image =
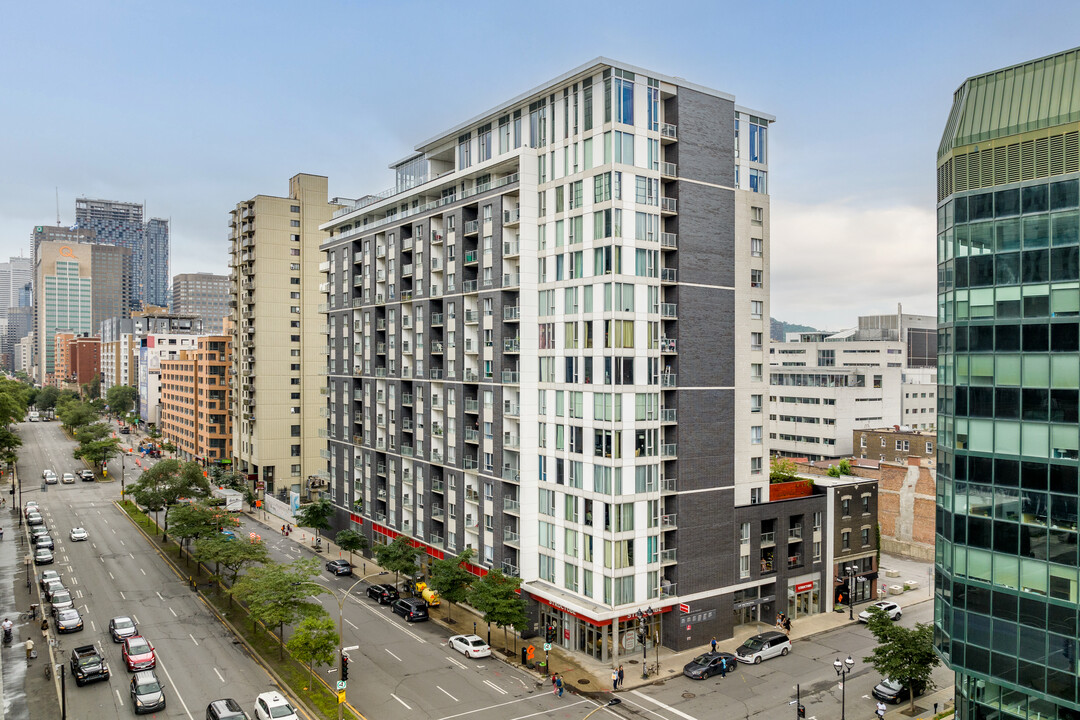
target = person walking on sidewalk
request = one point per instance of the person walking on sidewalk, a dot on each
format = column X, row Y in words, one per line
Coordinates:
column 29, row 649
column 620, row 676
column 714, row 644
column 880, row 712
column 614, row 679
column 282, row 529
column 787, row 625
column 554, row 683
column 723, row 667
column 558, row 684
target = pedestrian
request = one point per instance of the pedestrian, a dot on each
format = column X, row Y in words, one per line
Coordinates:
column 779, row 621
column 29, row 648
column 614, row 679
column 282, row 529
column 554, row 683
column 880, row 712
column 1, row 533
column 714, row 644
column 723, row 667
column 620, row 676
column 558, row 684
column 787, row 625
column 45, row 628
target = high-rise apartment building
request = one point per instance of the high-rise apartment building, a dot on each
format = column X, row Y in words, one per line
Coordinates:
column 202, row 294
column 154, row 349
column 195, row 400
column 112, row 286
column 824, row 385
column 279, row 338
column 1008, row 222
column 85, row 359
column 62, row 358
column 63, row 284
column 119, row 349
column 155, row 270
column 63, row 236
column 120, row 224
column 15, row 275
column 546, row 344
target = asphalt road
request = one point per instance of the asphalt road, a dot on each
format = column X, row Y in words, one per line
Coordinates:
column 117, row 572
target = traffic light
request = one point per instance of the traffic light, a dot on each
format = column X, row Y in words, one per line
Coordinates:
column 344, row 666
column 802, row 711
column 550, row 636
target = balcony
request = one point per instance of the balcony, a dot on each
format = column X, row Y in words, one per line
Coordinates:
column 471, row 463
column 668, row 485
column 511, row 474
column 406, row 244
column 472, row 495
column 512, row 217
column 436, row 541
column 407, row 270
column 436, row 264
column 668, row 522
column 668, row 590
column 669, row 241
column 794, row 561
column 669, row 170
column 324, row 266
column 511, row 377
column 435, row 374
column 511, row 442
column 511, row 248
column 669, row 276
column 472, row 435
column 472, row 406
column 668, row 450
column 512, row 506
column 436, row 238
column 407, row 399
column 437, row 347
column 668, row 557
column 668, row 416
column 470, row 375
column 472, row 317
column 510, row 569
column 768, row 539
column 669, row 310
column 469, row 286
column 511, row 409
column 669, row 206
column 472, row 227
column 669, row 133
column 795, row 533
column 472, row 257
column 511, row 538
column 436, row 456
column 511, row 280
column 512, row 313
column 512, row 345
column 437, row 513
column 668, row 380
column 438, row 486
column 668, row 345
column 406, row 425
column 406, row 320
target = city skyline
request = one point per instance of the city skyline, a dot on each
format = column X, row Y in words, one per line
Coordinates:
column 886, row 108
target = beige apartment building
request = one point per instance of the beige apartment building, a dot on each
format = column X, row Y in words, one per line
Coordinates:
column 196, row 400
column 279, row 367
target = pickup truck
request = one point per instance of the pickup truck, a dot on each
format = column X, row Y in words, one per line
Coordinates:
column 88, row 665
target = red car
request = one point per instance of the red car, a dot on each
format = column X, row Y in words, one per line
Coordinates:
column 138, row 653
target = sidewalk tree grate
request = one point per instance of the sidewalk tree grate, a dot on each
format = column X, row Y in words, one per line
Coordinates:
column 584, row 681
column 689, row 696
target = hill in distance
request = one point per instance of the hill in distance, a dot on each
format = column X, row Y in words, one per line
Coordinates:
column 778, row 329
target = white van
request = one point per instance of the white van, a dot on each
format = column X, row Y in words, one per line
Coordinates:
column 763, row 646
column 35, row 416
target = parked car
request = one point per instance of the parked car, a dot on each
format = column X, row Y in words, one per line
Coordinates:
column 34, row 519
column 48, row 576
column 272, row 706
column 86, row 475
column 470, row 646
column 339, row 567
column 412, row 609
column 146, row 692
column 138, row 653
column 53, row 585
column 38, row 530
column 44, row 541
column 78, row 534
column 762, row 647
column 122, row 627
column 68, row 621
column 68, row 479
column 384, row 593
column 125, row 430
column 886, row 606
column 32, row 505
column 891, row 691
column 707, row 665
column 87, row 665
column 43, row 556
column 225, row 709
column 61, row 600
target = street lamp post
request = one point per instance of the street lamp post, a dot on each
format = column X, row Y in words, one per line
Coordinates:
column 842, row 670
column 643, row 616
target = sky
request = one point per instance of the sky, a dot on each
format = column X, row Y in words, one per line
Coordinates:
column 194, row 106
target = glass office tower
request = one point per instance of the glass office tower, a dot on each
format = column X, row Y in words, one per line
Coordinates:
column 1009, row 372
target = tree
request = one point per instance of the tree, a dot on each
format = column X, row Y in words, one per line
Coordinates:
column 98, row 452
column 9, row 443
column 495, row 595
column 231, row 553
column 450, row 578
column 351, row 541
column 192, row 521
column 781, row 469
column 92, row 389
column 225, row 477
column 74, row 414
column 92, row 432
column 315, row 515
column 12, row 401
column 398, row 557
column 842, row 468
column 904, row 655
column 121, row 399
column 46, row 398
column 164, row 484
column 314, row 641
column 277, row 594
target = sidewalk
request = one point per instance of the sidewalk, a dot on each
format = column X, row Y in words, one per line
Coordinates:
column 586, row 676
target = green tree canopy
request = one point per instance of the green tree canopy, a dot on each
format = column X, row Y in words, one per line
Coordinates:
column 315, row 515
column 231, row 553
column 351, row 541
column 192, row 521
column 74, row 414
column 12, row 401
column 904, row 655
column 315, row 642
column 496, row 596
column 92, row 432
column 225, row 477
column 841, row 468
column 164, row 484
column 97, row 452
column 46, row 398
column 450, row 578
column 10, row 442
column 277, row 595
column 398, row 557
column 781, row 469
column 121, row 399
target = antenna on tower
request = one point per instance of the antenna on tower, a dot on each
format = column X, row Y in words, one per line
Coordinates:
column 58, row 206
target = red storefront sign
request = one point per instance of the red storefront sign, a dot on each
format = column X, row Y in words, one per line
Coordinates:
column 803, row 587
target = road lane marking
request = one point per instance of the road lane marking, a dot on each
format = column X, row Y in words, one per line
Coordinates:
column 142, row 571
column 111, row 576
column 447, row 694
column 495, row 687
column 173, row 612
column 176, row 693
column 400, row 701
column 122, row 597
column 158, row 593
column 92, row 626
column 123, row 543
column 118, row 698
column 74, row 580
column 101, row 559
column 131, row 556
column 666, row 707
column 316, row 599
column 490, row 707
column 548, row 712
column 219, row 675
column 135, row 619
column 393, row 655
column 455, row 662
column 648, row 710
column 193, row 639
column 352, row 624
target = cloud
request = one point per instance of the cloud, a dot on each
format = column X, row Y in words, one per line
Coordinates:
column 831, row 262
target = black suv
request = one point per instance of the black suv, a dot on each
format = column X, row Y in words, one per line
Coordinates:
column 385, row 593
column 87, row 665
column 412, row 609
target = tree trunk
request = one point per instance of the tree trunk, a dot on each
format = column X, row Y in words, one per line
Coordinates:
column 449, row 611
column 311, row 667
column 911, row 698
column 506, row 637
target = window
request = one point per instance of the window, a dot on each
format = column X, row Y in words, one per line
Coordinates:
column 756, row 278
column 755, row 372
column 756, row 246
column 755, row 466
column 755, row 496
column 866, row 504
column 862, row 441
column 929, row 448
column 845, row 507
column 845, row 540
column 294, row 223
column 757, row 215
column 755, row 435
column 865, row 537
column 757, row 308
column 624, row 97
column 757, row 181
column 483, row 137
column 464, row 151
column 755, row 341
column 758, row 144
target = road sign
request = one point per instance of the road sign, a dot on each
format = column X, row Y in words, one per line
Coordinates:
column 341, row 685
column 351, row 647
column 341, row 696
column 684, row 608
column 547, row 647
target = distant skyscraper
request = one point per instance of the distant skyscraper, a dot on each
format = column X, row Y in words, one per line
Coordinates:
column 155, row 265
column 113, row 284
column 202, row 294
column 63, row 281
column 118, row 223
column 61, row 236
column 14, row 275
column 1007, row 578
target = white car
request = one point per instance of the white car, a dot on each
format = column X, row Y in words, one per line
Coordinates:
column 50, row 478
column 272, row 706
column 470, row 646
column 889, row 608
column 68, row 479
column 78, row 534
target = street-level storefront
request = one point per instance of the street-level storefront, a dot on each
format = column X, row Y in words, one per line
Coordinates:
column 753, row 605
column 603, row 640
column 854, row 580
column 803, row 596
